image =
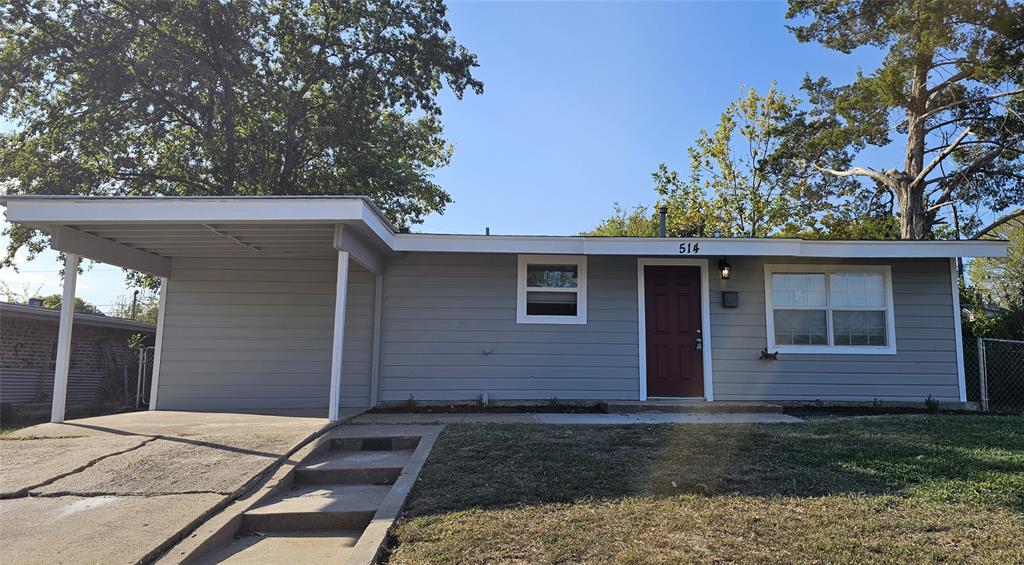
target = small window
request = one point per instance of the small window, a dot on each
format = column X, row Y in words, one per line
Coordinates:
column 843, row 309
column 552, row 290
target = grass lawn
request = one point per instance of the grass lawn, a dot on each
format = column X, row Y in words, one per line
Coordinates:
column 874, row 489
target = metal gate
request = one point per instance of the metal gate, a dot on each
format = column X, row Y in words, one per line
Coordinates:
column 994, row 369
column 138, row 374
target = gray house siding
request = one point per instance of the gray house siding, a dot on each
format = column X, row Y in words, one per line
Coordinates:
column 449, row 332
column 247, row 333
column 925, row 362
column 443, row 312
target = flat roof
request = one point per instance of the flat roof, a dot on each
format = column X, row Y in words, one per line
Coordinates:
column 40, row 312
column 156, row 229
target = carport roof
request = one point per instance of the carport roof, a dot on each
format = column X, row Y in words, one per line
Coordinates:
column 146, row 232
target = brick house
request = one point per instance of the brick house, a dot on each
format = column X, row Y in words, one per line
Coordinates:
column 28, row 345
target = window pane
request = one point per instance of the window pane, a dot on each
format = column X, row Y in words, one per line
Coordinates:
column 859, row 328
column 857, row 290
column 552, row 276
column 551, row 303
column 800, row 327
column 798, row 289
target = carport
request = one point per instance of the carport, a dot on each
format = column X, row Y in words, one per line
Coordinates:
column 152, row 234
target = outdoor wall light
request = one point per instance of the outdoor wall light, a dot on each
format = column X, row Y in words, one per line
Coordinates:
column 725, row 267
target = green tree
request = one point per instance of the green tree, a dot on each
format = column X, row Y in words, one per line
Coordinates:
column 145, row 308
column 637, row 222
column 949, row 87
column 740, row 181
column 743, row 178
column 994, row 299
column 255, row 97
column 54, row 301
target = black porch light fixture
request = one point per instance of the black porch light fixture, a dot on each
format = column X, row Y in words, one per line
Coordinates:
column 725, row 268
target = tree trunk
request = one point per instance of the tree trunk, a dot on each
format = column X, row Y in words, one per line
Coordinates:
column 913, row 218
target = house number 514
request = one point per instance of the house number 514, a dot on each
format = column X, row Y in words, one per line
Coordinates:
column 689, row 248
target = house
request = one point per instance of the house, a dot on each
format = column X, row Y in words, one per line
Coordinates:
column 293, row 302
column 28, row 347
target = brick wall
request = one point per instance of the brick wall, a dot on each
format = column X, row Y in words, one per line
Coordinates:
column 28, row 347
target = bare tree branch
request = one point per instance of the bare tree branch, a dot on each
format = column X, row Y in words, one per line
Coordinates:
column 956, row 77
column 958, row 120
column 970, row 168
column 855, row 171
column 1018, row 213
column 1013, row 92
column 942, row 155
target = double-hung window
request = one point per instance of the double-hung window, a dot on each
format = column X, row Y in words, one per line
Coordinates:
column 552, row 289
column 829, row 309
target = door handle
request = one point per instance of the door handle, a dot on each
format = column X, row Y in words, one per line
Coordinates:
column 700, row 344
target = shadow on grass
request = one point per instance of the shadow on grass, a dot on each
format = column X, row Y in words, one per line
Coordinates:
column 973, row 460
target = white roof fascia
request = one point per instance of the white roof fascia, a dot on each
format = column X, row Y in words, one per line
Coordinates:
column 98, row 210
column 44, row 211
column 706, row 246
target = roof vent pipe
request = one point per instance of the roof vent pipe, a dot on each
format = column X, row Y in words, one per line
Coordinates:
column 662, row 214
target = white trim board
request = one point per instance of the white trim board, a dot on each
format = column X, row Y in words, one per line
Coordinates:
column 705, row 319
column 54, row 212
column 958, row 330
column 708, row 247
column 40, row 211
column 158, row 345
column 890, row 310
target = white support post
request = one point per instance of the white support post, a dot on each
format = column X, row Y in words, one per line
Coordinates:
column 961, row 373
column 378, row 308
column 67, row 314
column 154, row 381
column 337, row 349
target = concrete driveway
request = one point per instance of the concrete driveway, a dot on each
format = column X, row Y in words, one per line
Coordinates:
column 122, row 488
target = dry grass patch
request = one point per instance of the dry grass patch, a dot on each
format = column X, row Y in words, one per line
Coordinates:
column 889, row 489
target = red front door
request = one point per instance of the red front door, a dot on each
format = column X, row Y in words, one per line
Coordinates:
column 674, row 359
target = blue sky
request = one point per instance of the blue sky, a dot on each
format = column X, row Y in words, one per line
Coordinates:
column 582, row 101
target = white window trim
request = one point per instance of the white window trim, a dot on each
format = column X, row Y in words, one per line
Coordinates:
column 890, row 314
column 581, row 290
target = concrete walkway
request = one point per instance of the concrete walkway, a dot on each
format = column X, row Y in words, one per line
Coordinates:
column 585, row 419
column 117, row 489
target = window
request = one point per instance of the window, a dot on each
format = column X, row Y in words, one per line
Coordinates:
column 833, row 309
column 552, row 289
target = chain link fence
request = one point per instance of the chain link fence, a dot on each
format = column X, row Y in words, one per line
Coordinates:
column 994, row 369
column 137, row 376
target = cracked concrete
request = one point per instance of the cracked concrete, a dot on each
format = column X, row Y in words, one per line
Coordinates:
column 32, row 463
column 119, row 489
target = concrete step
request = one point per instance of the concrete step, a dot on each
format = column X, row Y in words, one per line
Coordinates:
column 294, row 548
column 317, row 507
column 354, row 467
column 691, row 407
column 374, row 443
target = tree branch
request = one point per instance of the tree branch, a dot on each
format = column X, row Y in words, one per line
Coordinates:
column 942, row 155
column 1014, row 92
column 956, row 77
column 970, row 168
column 1018, row 213
column 855, row 171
